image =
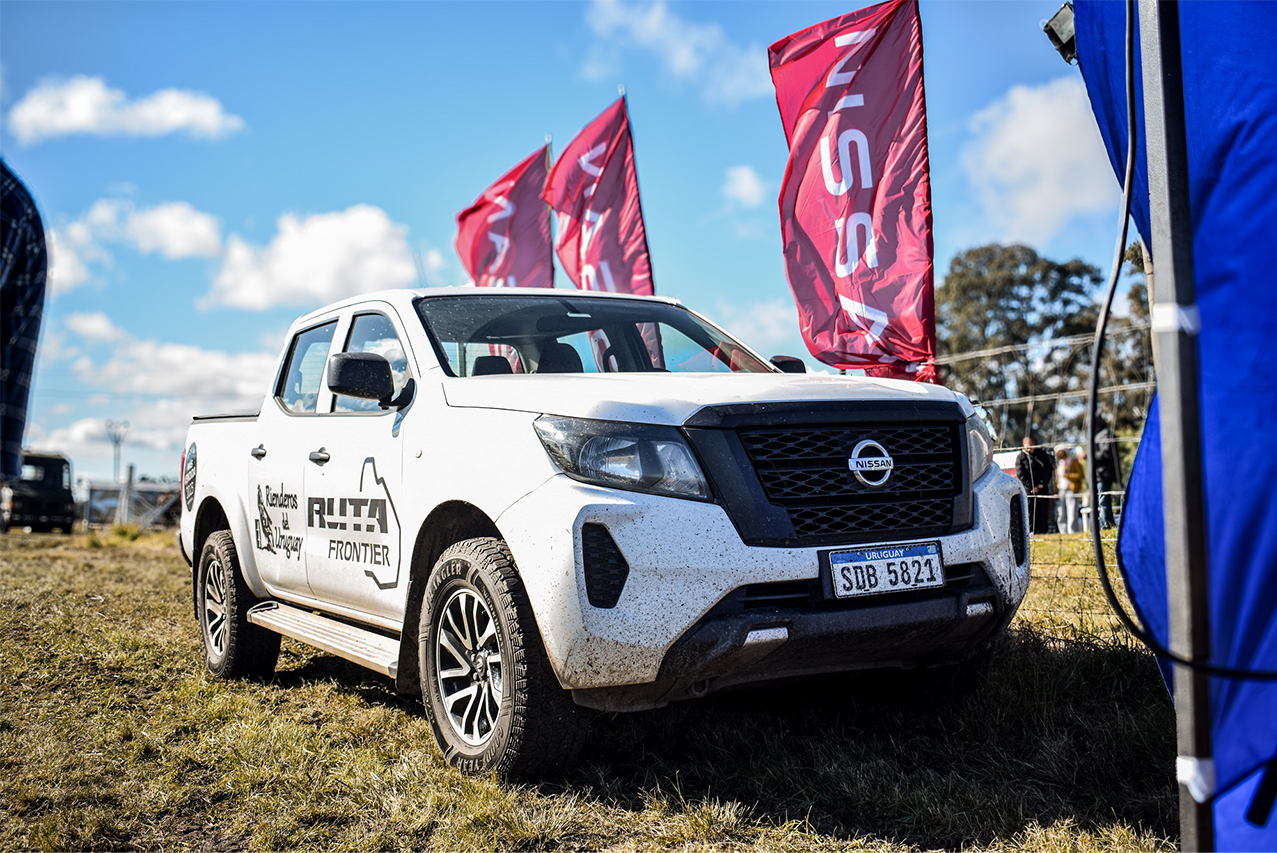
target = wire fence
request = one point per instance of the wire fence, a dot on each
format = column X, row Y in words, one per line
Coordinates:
column 1066, row 599
column 146, row 504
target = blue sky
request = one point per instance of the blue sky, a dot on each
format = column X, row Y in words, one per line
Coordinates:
column 208, row 171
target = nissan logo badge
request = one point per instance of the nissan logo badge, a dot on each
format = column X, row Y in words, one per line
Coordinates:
column 871, row 458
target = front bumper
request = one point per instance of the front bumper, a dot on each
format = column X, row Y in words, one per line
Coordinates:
column 39, row 520
column 675, row 630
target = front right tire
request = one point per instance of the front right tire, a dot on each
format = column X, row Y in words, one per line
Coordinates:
column 491, row 695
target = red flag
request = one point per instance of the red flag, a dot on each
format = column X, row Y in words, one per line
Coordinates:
column 594, row 189
column 855, row 205
column 504, row 237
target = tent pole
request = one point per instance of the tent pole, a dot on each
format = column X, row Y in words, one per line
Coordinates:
column 1175, row 326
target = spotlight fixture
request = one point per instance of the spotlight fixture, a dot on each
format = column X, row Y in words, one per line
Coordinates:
column 1060, row 31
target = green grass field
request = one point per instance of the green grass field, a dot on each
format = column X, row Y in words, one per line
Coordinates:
column 112, row 736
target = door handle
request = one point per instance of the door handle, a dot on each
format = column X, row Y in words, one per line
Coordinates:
column 320, row 456
column 258, row 452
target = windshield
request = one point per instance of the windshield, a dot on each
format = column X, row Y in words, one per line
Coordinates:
column 488, row 335
column 46, row 471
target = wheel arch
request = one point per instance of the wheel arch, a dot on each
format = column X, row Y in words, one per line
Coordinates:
column 210, row 518
column 449, row 523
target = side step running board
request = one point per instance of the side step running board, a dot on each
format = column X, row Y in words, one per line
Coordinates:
column 357, row 645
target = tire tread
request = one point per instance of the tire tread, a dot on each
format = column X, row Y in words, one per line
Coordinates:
column 251, row 650
column 548, row 729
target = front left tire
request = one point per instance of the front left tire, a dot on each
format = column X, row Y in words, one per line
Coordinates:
column 488, row 688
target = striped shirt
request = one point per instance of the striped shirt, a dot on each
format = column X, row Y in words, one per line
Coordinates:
column 23, row 266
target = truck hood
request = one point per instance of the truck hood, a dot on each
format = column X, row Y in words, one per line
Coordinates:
column 668, row 398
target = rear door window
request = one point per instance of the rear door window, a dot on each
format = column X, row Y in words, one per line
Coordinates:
column 304, row 371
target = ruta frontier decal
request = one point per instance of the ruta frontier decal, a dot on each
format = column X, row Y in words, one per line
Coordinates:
column 365, row 527
column 272, row 538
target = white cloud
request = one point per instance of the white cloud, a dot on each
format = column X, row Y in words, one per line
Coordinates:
column 744, row 186
column 770, row 326
column 744, row 192
column 73, row 254
column 86, row 105
column 55, row 345
column 727, row 73
column 1037, row 160
column 86, row 436
column 175, row 230
column 94, row 327
column 273, row 339
column 155, row 386
column 434, row 261
column 315, row 260
column 180, row 370
column 104, row 216
column 155, row 426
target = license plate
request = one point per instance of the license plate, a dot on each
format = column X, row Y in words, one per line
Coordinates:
column 867, row 571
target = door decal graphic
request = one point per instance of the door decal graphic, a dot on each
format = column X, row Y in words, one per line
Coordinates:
column 274, row 538
column 366, row 527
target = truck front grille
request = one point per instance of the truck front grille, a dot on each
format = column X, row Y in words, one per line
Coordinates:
column 805, row 471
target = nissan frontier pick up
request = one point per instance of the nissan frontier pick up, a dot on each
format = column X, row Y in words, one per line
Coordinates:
column 526, row 504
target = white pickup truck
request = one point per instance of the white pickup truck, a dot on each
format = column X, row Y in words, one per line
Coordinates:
column 524, row 504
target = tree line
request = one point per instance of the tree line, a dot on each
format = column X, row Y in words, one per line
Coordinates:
column 1014, row 332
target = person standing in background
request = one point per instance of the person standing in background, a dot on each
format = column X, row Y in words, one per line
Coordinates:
column 1035, row 472
column 24, row 264
column 1086, row 501
column 1108, row 472
column 1068, row 484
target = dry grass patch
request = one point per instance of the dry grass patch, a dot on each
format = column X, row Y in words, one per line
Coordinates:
column 112, row 736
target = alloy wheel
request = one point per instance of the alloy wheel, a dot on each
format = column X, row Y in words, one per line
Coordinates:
column 468, row 666
column 215, row 623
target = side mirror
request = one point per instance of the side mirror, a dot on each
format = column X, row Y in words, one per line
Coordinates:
column 789, row 364
column 365, row 375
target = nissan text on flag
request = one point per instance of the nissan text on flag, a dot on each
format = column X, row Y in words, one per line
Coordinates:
column 457, row 489
column 855, row 200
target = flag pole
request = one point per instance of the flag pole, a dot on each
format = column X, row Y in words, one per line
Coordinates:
column 549, row 211
column 1175, row 326
column 647, row 250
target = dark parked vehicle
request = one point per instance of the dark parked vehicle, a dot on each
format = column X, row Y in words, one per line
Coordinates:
column 41, row 498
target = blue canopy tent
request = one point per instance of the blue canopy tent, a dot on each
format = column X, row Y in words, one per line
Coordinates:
column 1230, row 97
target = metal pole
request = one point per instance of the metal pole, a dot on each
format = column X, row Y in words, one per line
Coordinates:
column 115, row 431
column 123, row 510
column 1175, row 327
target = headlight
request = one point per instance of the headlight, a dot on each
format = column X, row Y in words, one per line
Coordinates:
column 980, row 439
column 642, row 458
column 979, row 446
